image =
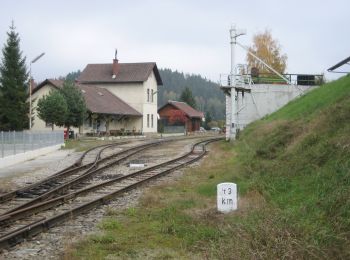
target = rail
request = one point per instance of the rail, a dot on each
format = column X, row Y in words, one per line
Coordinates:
column 138, row 178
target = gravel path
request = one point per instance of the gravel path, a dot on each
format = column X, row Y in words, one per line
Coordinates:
column 23, row 174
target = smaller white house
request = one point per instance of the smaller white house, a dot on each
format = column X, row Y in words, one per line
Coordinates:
column 38, row 92
column 106, row 112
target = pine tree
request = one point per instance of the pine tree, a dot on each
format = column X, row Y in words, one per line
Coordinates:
column 208, row 119
column 187, row 96
column 14, row 108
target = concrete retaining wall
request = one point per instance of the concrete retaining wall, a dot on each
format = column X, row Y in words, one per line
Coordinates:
column 264, row 99
column 22, row 157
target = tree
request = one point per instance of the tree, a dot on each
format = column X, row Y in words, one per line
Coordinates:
column 269, row 50
column 53, row 108
column 177, row 117
column 75, row 103
column 208, row 119
column 72, row 76
column 14, row 108
column 187, row 96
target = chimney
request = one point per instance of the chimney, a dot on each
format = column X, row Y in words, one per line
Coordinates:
column 115, row 64
column 115, row 67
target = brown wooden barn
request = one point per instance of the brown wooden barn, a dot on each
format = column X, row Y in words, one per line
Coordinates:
column 176, row 113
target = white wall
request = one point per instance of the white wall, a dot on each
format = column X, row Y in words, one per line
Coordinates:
column 22, row 157
column 264, row 99
column 135, row 95
column 150, row 107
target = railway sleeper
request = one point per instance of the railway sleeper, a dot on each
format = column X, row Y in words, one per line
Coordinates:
column 26, row 195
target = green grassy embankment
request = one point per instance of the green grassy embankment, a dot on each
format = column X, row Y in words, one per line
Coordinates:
column 293, row 173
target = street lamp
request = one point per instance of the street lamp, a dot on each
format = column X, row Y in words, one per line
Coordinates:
column 30, row 88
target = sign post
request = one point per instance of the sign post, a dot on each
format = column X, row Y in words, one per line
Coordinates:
column 226, row 197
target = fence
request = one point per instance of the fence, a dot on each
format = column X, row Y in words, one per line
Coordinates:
column 12, row 143
column 174, row 129
column 269, row 78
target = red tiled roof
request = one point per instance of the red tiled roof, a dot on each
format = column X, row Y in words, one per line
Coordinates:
column 128, row 73
column 188, row 110
column 98, row 100
column 101, row 101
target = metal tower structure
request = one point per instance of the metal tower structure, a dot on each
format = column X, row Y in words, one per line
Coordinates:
column 239, row 85
column 233, row 81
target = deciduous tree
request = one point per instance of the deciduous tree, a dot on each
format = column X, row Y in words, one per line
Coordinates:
column 53, row 108
column 76, row 105
column 269, row 50
column 177, row 117
column 14, row 108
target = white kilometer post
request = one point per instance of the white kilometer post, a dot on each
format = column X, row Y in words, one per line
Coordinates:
column 226, row 197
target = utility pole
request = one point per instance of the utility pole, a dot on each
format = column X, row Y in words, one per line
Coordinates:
column 234, row 33
column 30, row 88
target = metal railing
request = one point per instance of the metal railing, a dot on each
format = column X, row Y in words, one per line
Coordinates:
column 269, row 78
column 13, row 142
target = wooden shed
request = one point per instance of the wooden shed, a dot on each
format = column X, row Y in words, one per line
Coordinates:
column 175, row 113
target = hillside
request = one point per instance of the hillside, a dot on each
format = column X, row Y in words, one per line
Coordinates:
column 293, row 174
column 209, row 97
column 298, row 159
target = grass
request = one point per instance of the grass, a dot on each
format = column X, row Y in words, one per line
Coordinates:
column 293, row 176
column 81, row 145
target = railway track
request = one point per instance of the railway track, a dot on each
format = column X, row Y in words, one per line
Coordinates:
column 60, row 174
column 30, row 221
column 72, row 178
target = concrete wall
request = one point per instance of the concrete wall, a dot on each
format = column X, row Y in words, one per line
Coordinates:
column 21, row 157
column 264, row 99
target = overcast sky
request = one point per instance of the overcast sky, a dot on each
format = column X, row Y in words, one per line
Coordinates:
column 188, row 36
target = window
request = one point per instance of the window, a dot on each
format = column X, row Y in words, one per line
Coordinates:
column 152, row 96
column 147, row 120
column 148, row 95
column 152, row 121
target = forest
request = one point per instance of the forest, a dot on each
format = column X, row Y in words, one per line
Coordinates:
column 209, row 98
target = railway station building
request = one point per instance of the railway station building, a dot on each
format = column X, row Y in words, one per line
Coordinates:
column 121, row 98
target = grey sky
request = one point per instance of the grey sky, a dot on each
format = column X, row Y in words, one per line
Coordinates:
column 190, row 36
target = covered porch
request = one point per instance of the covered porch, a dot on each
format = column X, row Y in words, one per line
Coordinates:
column 112, row 125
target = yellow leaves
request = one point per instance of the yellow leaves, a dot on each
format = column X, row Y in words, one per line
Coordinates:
column 269, row 50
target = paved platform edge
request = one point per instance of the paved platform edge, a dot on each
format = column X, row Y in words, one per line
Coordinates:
column 22, row 157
